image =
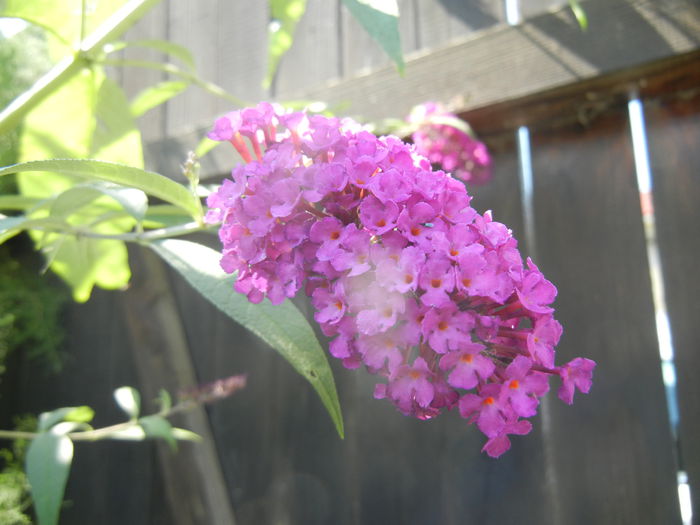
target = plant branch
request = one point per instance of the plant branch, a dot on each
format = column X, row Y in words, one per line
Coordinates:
column 112, row 28
column 185, row 75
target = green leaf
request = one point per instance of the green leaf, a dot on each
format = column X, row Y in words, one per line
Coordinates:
column 48, row 463
column 283, row 327
column 579, row 13
column 10, row 226
column 182, row 434
column 18, row 202
column 74, row 122
column 83, row 262
column 205, row 146
column 155, row 95
column 147, row 181
column 180, row 52
column 380, row 18
column 164, row 400
column 159, row 427
column 285, row 15
column 80, row 414
column 116, row 137
column 134, row 201
column 129, row 400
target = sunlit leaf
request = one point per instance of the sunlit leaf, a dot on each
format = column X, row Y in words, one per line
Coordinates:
column 164, row 400
column 283, row 327
column 380, row 18
column 147, row 181
column 205, row 146
column 285, row 15
column 182, row 434
column 159, row 427
column 155, row 95
column 18, row 202
column 72, row 123
column 129, row 400
column 132, row 200
column 62, row 17
column 48, row 464
column 579, row 13
column 180, row 52
column 80, row 414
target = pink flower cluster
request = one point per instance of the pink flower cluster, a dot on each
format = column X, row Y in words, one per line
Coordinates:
column 405, row 276
column 445, row 140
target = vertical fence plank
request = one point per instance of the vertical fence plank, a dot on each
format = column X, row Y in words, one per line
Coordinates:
column 531, row 8
column 194, row 482
column 612, row 449
column 313, row 59
column 441, row 21
column 152, row 26
column 194, row 25
column 241, row 50
column 674, row 134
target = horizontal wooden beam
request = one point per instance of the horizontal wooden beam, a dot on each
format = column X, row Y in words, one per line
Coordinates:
column 499, row 64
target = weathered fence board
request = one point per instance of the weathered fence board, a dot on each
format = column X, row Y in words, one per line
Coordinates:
column 151, row 27
column 315, row 57
column 611, row 451
column 674, row 136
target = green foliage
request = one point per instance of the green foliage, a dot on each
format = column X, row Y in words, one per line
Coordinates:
column 23, row 58
column 129, row 400
column 579, row 13
column 30, row 313
column 147, row 181
column 380, row 18
column 14, row 496
column 283, row 327
column 48, row 463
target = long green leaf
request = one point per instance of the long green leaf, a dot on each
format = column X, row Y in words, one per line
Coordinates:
column 155, row 95
column 147, row 181
column 285, row 16
column 10, row 226
column 579, row 13
column 283, row 327
column 380, row 18
column 18, row 202
column 132, row 200
column 48, row 463
column 171, row 48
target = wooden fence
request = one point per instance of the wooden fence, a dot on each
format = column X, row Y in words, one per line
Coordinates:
column 271, row 454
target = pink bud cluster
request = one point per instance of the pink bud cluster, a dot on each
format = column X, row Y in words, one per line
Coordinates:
column 404, row 275
column 445, row 140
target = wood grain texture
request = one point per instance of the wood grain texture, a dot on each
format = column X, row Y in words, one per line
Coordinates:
column 443, row 21
column 611, row 451
column 194, row 25
column 153, row 26
column 314, row 57
column 240, row 50
column 490, row 66
column 673, row 128
column 194, row 483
